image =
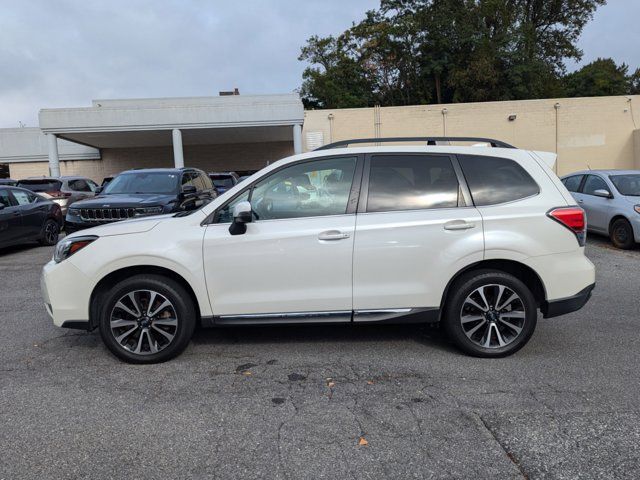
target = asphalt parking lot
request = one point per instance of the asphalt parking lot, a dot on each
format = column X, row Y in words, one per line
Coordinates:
column 324, row 402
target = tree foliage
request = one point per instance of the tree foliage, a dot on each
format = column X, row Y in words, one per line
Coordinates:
column 440, row 51
column 601, row 77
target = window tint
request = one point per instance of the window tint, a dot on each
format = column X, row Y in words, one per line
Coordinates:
column 23, row 198
column 143, row 182
column 6, row 198
column 79, row 185
column 225, row 214
column 41, row 185
column 628, row 184
column 594, row 183
column 494, row 180
column 573, row 183
column 411, row 182
column 307, row 189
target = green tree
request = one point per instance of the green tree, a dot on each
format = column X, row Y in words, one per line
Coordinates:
column 599, row 78
column 421, row 51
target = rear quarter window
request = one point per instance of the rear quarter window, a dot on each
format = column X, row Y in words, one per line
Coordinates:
column 494, row 180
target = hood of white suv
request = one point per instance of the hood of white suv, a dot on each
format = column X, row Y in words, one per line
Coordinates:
column 135, row 225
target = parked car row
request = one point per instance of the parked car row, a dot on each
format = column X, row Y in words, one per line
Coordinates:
column 611, row 200
column 82, row 203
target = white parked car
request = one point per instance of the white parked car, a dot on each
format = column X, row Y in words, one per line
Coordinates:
column 477, row 238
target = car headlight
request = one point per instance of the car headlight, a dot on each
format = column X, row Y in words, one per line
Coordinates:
column 637, row 208
column 144, row 212
column 68, row 246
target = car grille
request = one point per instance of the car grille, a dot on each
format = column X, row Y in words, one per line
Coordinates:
column 106, row 214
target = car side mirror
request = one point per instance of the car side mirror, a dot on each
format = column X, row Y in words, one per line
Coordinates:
column 189, row 190
column 242, row 215
column 601, row 192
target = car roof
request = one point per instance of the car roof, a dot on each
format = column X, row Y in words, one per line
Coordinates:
column 161, row 170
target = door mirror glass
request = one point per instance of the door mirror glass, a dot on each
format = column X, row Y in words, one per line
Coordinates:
column 241, row 216
column 601, row 192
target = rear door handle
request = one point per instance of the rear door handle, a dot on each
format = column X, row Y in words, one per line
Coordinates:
column 333, row 235
column 458, row 225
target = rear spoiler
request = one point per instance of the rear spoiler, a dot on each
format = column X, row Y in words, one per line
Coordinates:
column 549, row 158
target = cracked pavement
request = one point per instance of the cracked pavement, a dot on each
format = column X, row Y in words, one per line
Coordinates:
column 324, row 402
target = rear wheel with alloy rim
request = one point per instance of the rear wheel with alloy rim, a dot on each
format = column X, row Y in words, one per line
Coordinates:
column 50, row 232
column 490, row 314
column 147, row 319
column 622, row 234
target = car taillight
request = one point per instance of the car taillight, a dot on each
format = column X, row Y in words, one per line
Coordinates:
column 572, row 218
column 58, row 194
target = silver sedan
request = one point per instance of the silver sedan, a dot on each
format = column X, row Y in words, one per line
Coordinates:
column 611, row 199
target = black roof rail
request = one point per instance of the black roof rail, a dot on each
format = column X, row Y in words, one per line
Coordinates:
column 429, row 140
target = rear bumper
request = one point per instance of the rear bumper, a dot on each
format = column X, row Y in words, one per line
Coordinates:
column 570, row 304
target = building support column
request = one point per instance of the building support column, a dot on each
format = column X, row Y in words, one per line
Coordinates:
column 178, row 156
column 54, row 159
column 297, row 139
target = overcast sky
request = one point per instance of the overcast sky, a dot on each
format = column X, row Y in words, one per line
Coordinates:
column 68, row 52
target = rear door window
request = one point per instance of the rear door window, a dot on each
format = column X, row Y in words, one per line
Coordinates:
column 411, row 182
column 79, row 185
column 573, row 183
column 494, row 180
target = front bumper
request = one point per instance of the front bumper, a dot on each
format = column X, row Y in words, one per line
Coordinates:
column 66, row 292
column 555, row 308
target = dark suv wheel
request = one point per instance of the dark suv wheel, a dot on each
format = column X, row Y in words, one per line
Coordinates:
column 147, row 319
column 490, row 314
column 50, row 232
column 622, row 234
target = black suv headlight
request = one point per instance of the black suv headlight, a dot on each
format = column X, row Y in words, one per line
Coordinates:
column 146, row 211
column 68, row 246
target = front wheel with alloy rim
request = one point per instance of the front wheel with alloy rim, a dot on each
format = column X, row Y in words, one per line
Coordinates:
column 622, row 234
column 147, row 319
column 490, row 314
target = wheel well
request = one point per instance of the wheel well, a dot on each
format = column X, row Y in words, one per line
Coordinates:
column 520, row 271
column 614, row 219
column 109, row 280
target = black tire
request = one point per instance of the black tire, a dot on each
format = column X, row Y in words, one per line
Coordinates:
column 50, row 233
column 622, row 234
column 180, row 301
column 467, row 286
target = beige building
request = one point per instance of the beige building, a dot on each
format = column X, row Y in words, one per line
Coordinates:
column 599, row 132
column 245, row 133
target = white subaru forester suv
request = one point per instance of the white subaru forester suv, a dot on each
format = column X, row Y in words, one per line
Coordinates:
column 478, row 238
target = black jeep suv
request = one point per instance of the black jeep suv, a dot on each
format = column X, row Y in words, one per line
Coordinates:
column 142, row 193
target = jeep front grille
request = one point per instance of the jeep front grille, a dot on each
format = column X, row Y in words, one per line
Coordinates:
column 106, row 214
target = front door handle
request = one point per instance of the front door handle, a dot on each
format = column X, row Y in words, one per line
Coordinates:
column 458, row 225
column 333, row 235
column 580, row 201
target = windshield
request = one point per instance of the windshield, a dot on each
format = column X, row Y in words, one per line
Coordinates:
column 143, row 182
column 41, row 185
column 628, row 184
column 225, row 182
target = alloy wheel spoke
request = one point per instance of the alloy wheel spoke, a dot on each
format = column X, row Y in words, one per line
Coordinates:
column 501, row 341
column 122, row 306
column 119, row 322
column 139, row 346
column 509, row 300
column 513, row 327
column 167, row 335
column 487, row 340
column 120, row 338
column 132, row 297
column 153, row 345
column 513, row 314
column 475, row 329
column 152, row 299
column 162, row 306
column 469, row 318
column 471, row 301
column 484, row 298
column 170, row 322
